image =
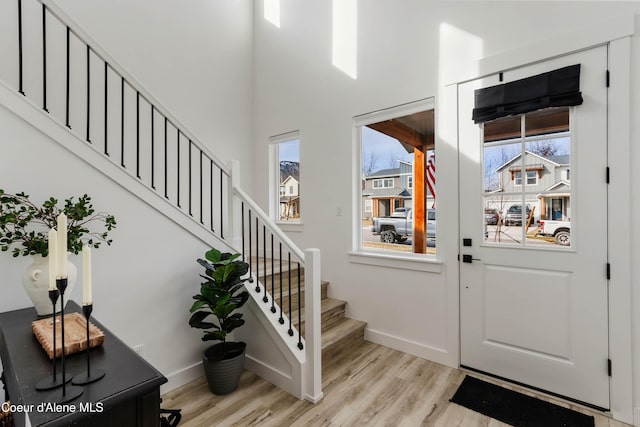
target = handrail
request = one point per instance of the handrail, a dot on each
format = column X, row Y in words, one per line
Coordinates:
column 65, row 19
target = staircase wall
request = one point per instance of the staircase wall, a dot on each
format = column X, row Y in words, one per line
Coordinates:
column 143, row 283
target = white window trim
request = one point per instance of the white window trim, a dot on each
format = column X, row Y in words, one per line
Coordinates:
column 359, row 254
column 274, row 179
column 515, row 179
column 384, row 182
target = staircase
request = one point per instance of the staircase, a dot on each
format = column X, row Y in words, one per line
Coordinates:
column 106, row 118
column 338, row 332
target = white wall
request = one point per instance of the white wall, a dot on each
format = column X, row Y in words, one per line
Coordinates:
column 196, row 58
column 406, row 51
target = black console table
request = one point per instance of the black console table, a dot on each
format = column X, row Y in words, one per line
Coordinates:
column 128, row 395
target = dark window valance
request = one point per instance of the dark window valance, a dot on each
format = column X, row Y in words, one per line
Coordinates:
column 558, row 88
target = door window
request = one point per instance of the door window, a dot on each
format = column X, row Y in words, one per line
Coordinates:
column 526, row 159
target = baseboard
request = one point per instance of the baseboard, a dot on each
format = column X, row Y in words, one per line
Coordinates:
column 636, row 416
column 433, row 354
column 314, row 399
column 182, row 377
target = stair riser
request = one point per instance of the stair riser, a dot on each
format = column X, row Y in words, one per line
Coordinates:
column 341, row 346
column 329, row 318
column 277, row 275
column 294, row 299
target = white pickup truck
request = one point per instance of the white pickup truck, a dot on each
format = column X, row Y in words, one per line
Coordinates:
column 559, row 230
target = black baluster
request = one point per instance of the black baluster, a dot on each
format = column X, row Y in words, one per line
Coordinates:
column 122, row 123
column 221, row 206
column 190, row 173
column 88, row 93
column 281, row 319
column 211, row 202
column 264, row 261
column 20, row 65
column 300, row 346
column 178, row 174
column 273, row 302
column 106, row 104
column 153, row 148
column 201, row 184
column 257, row 256
column 166, row 184
column 289, row 281
column 44, row 58
column 244, row 249
column 137, row 134
column 67, row 123
column 250, row 249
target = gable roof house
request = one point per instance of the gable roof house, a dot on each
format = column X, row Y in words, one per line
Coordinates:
column 289, row 198
column 166, row 116
column 547, row 185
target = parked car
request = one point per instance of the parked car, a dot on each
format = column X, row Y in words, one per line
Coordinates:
column 560, row 230
column 514, row 215
column 399, row 226
column 491, row 216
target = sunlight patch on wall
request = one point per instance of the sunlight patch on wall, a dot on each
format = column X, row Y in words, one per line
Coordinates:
column 458, row 49
column 272, row 11
column 345, row 36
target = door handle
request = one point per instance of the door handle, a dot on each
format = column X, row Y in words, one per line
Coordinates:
column 469, row 258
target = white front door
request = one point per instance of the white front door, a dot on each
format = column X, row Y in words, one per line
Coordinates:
column 532, row 310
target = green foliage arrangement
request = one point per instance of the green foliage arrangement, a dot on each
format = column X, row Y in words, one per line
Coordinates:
column 220, row 295
column 25, row 225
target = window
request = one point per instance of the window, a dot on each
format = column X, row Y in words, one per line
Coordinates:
column 383, row 183
column 284, row 152
column 396, row 212
column 532, row 178
column 538, row 142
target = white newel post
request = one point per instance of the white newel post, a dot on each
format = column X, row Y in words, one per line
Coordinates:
column 313, row 343
column 235, row 207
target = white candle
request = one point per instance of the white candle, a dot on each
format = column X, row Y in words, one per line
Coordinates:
column 53, row 260
column 62, row 246
column 86, row 276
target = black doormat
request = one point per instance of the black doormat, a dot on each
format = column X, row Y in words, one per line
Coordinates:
column 515, row 408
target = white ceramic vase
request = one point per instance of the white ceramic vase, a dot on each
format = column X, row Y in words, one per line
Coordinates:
column 36, row 283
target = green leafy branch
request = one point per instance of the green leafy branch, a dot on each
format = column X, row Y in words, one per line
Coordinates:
column 25, row 225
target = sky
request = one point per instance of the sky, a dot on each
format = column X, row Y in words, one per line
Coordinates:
column 387, row 150
column 290, row 150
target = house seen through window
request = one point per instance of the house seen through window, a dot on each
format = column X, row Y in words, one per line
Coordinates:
column 286, row 154
column 397, row 154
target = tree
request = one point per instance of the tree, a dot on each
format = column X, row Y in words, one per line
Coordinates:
column 544, row 148
column 369, row 162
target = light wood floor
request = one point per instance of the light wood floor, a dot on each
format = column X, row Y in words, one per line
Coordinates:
column 370, row 385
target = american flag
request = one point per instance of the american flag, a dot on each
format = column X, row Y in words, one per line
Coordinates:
column 431, row 176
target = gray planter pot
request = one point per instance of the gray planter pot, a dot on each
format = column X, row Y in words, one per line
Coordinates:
column 223, row 374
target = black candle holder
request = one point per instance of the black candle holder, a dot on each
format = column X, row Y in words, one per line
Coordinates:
column 89, row 376
column 65, row 393
column 54, row 381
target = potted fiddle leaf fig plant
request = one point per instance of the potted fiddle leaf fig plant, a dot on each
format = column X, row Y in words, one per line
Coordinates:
column 214, row 311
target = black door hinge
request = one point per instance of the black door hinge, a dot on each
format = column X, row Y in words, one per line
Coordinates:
column 608, row 78
column 608, row 174
column 609, row 367
column 608, row 271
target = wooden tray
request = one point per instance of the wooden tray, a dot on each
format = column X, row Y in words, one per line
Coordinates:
column 75, row 334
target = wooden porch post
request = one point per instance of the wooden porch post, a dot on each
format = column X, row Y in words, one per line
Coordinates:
column 419, row 200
